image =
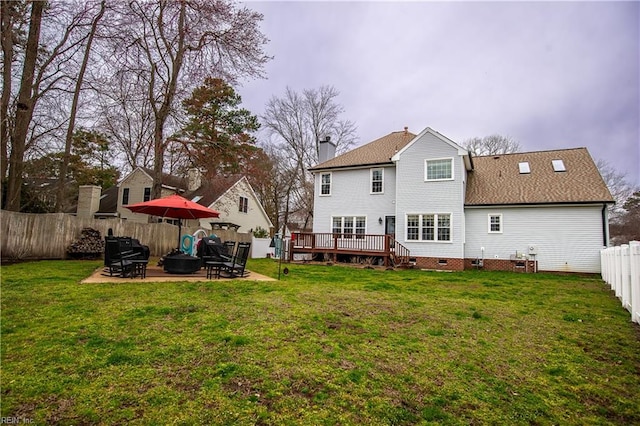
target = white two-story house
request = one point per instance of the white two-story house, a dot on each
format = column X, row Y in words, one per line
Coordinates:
column 543, row 210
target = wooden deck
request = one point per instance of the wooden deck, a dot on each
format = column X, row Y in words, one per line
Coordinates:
column 367, row 245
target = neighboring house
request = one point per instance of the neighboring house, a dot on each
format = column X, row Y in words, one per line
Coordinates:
column 454, row 211
column 233, row 197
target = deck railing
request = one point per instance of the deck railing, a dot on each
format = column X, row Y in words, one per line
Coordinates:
column 357, row 244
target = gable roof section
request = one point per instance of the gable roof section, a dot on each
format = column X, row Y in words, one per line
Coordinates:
column 378, row 152
column 461, row 150
column 496, row 180
column 169, row 181
column 211, row 190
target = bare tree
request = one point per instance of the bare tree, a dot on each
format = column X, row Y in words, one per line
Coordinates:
column 12, row 18
column 618, row 185
column 626, row 227
column 167, row 47
column 24, row 110
column 298, row 122
column 62, row 29
column 74, row 108
column 492, row 145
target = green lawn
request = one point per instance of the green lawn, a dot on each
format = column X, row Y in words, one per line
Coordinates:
column 325, row 345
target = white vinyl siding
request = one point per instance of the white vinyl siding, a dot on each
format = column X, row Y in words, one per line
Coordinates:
column 351, row 189
column 568, row 238
column 415, row 195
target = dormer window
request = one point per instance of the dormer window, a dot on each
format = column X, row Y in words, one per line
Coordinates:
column 558, row 166
column 524, row 167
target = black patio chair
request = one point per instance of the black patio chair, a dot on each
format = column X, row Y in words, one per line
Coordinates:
column 235, row 268
column 229, row 246
column 118, row 258
column 213, row 254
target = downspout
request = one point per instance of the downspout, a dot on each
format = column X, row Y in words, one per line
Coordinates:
column 605, row 228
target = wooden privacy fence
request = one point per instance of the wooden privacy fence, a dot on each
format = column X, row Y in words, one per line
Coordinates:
column 621, row 270
column 26, row 236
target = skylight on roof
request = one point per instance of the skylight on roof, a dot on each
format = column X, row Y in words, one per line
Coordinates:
column 558, row 166
column 196, row 198
column 524, row 167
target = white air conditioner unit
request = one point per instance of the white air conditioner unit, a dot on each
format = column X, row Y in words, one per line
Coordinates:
column 533, row 249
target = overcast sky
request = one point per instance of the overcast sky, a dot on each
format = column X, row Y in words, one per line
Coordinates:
column 551, row 75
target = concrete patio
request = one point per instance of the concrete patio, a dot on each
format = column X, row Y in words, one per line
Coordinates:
column 155, row 273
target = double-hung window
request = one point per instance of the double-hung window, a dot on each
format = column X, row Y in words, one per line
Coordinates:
column 377, row 181
column 125, row 196
column 438, row 169
column 429, row 227
column 325, row 184
column 348, row 226
column 243, row 204
column 147, row 194
column 495, row 223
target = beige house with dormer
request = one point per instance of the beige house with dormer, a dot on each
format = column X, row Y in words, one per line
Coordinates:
column 232, row 196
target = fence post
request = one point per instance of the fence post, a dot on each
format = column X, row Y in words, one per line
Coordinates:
column 604, row 264
column 634, row 266
column 611, row 267
column 626, row 281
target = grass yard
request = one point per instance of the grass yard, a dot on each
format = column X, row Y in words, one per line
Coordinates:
column 325, row 345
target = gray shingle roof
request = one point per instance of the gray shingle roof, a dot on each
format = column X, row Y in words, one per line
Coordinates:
column 377, row 152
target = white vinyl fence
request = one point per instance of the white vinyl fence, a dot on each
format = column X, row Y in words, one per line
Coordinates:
column 621, row 270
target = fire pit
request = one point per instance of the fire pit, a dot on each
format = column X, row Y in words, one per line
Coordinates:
column 181, row 264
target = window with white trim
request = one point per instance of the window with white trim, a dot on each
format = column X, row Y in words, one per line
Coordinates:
column 325, row 184
column 147, row 194
column 495, row 223
column 377, row 181
column 125, row 196
column 438, row 169
column 348, row 226
column 429, row 227
column 243, row 205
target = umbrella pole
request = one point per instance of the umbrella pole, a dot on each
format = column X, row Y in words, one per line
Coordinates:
column 179, row 232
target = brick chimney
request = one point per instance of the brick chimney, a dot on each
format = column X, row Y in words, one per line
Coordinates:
column 88, row 201
column 326, row 150
column 194, row 178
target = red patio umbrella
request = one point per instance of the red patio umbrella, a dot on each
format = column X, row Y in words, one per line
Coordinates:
column 175, row 207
